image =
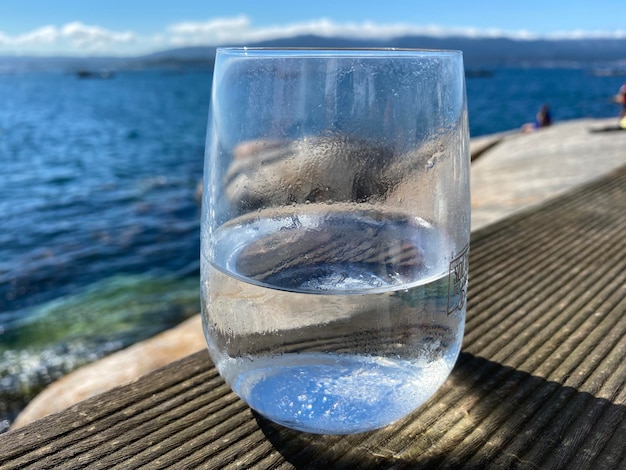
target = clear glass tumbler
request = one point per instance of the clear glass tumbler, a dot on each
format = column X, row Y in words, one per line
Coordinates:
column 335, row 231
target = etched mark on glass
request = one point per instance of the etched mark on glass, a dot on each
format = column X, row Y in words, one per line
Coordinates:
column 457, row 280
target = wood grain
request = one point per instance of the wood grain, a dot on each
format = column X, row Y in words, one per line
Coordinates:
column 540, row 382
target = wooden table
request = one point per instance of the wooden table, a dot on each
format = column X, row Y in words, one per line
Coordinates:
column 540, row 382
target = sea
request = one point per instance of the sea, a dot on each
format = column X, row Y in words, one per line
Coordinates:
column 99, row 210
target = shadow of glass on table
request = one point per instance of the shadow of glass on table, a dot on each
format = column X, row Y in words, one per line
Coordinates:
column 487, row 415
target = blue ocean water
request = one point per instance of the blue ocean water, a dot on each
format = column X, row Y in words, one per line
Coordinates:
column 99, row 234
column 512, row 96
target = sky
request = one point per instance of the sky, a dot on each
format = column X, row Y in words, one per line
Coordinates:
column 134, row 27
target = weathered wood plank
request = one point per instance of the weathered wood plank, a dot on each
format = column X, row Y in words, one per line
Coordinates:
column 541, row 381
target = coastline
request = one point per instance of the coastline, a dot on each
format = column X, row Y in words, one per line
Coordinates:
column 511, row 172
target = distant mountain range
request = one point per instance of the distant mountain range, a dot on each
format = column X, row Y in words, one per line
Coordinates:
column 477, row 52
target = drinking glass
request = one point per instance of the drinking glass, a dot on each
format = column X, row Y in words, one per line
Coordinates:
column 335, row 231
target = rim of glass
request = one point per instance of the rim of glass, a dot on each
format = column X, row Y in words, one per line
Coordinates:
column 336, row 51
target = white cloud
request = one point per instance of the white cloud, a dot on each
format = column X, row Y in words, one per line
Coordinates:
column 72, row 38
column 79, row 38
column 94, row 36
column 585, row 34
column 211, row 32
column 240, row 30
column 45, row 35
